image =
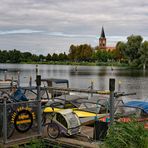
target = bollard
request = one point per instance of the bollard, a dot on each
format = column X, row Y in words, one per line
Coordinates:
column 111, row 100
column 5, row 121
column 38, row 83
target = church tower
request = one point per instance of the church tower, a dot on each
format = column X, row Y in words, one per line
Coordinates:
column 102, row 40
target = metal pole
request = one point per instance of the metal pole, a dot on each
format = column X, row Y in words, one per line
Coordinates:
column 5, row 121
column 111, row 100
column 5, row 77
column 18, row 78
column 30, row 82
column 119, row 86
column 37, row 71
column 38, row 83
column 92, row 86
column 11, row 81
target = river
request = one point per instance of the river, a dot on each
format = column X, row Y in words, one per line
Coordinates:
column 127, row 80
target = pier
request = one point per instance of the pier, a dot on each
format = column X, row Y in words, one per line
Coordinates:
column 22, row 121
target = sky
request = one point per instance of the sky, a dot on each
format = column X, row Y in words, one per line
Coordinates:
column 48, row 26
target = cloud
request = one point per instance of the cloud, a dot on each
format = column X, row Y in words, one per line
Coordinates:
column 64, row 22
column 21, row 31
column 60, row 34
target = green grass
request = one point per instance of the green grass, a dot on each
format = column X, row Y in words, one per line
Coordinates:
column 80, row 63
column 127, row 135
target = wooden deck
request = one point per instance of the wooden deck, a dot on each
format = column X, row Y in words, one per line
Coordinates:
column 83, row 140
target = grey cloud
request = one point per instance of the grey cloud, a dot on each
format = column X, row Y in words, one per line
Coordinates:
column 22, row 31
column 63, row 22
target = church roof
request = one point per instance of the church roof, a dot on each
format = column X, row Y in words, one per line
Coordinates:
column 102, row 33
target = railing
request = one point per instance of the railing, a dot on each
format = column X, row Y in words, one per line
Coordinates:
column 19, row 120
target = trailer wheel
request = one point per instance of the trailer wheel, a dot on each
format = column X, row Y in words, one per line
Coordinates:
column 53, row 130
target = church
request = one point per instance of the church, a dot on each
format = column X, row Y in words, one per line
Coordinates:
column 103, row 42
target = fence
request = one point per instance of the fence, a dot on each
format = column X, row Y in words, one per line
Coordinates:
column 20, row 120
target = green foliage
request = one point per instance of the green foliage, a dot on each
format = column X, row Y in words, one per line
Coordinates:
column 80, row 52
column 103, row 55
column 127, row 135
column 120, row 50
column 40, row 143
column 133, row 46
column 134, row 50
column 144, row 53
column 35, row 143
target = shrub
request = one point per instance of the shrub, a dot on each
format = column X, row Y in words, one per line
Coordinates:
column 127, row 135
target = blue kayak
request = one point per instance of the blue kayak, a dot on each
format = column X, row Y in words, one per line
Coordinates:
column 138, row 104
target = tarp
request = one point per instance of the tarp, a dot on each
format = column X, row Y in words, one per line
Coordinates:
column 138, row 104
column 19, row 95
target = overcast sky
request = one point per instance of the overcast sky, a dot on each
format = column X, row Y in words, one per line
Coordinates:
column 47, row 26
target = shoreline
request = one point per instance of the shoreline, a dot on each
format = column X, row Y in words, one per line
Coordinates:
column 111, row 64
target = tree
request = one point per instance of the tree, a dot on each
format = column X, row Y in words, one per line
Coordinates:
column 81, row 52
column 72, row 52
column 42, row 58
column 26, row 56
column 62, row 57
column 144, row 54
column 55, row 57
column 120, row 50
column 35, row 58
column 4, row 56
column 48, row 58
column 133, row 46
column 15, row 56
column 85, row 52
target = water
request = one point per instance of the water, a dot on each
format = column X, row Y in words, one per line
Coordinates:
column 81, row 76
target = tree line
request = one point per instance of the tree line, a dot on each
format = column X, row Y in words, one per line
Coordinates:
column 134, row 52
column 16, row 56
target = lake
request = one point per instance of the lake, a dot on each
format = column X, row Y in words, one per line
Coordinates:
column 127, row 80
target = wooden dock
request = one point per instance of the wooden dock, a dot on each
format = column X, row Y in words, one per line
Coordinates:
column 82, row 140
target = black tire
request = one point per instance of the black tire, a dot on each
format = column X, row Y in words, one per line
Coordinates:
column 53, row 130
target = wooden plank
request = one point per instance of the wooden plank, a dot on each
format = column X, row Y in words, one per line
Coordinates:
column 72, row 142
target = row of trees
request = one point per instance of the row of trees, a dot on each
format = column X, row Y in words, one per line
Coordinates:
column 134, row 51
column 87, row 53
column 15, row 56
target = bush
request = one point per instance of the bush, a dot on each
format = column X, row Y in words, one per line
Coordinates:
column 127, row 135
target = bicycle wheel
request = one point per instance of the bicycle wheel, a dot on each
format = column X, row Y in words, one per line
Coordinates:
column 53, row 130
column 10, row 130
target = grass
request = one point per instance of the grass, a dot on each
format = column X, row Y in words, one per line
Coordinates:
column 39, row 143
column 127, row 135
column 80, row 63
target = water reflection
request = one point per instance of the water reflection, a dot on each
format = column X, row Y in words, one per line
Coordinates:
column 132, row 80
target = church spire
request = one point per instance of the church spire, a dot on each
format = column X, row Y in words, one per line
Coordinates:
column 102, row 33
column 102, row 40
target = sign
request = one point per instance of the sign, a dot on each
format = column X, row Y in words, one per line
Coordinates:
column 23, row 119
